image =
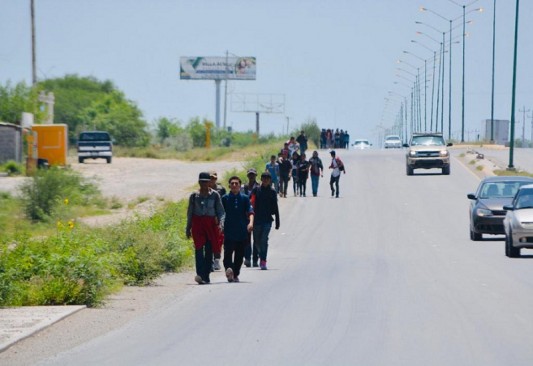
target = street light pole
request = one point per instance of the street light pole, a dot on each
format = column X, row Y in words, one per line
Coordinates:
column 493, row 62
column 511, row 145
column 463, row 89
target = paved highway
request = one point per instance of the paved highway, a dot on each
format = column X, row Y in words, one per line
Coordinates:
column 384, row 275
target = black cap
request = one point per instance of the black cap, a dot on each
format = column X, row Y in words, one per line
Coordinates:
column 204, row 177
column 332, row 152
column 252, row 171
column 266, row 175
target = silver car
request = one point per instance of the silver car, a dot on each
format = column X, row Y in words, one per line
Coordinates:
column 518, row 222
column 392, row 142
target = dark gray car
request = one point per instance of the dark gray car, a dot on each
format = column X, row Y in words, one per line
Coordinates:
column 486, row 205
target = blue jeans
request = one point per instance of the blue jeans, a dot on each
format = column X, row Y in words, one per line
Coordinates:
column 314, row 183
column 261, row 232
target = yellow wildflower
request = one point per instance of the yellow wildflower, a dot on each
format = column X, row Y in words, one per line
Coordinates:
column 65, row 201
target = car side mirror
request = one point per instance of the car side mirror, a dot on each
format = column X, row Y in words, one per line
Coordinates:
column 449, row 144
column 405, row 145
column 471, row 196
column 508, row 207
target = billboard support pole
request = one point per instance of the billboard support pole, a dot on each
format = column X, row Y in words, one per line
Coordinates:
column 217, row 103
column 257, row 123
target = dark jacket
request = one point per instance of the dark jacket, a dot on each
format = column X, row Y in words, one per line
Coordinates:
column 265, row 203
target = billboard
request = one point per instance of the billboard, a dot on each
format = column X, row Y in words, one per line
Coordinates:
column 217, row 68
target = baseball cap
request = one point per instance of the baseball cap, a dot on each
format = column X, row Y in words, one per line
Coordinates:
column 204, row 177
column 266, row 175
column 252, row 171
column 213, row 174
column 332, row 152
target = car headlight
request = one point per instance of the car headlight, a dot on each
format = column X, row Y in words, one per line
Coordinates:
column 444, row 153
column 483, row 212
column 412, row 153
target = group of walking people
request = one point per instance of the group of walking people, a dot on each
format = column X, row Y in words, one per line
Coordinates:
column 216, row 218
column 231, row 219
column 292, row 163
column 330, row 139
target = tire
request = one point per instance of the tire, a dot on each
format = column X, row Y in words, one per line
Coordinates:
column 80, row 160
column 475, row 236
column 446, row 170
column 511, row 251
column 108, row 160
column 409, row 170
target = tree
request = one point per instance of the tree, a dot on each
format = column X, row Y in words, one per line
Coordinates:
column 197, row 130
column 167, row 127
column 73, row 94
column 312, row 131
column 118, row 116
column 17, row 99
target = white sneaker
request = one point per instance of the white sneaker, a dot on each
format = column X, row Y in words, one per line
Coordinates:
column 229, row 274
column 216, row 264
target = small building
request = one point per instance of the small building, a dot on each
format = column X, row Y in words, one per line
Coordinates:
column 501, row 131
column 10, row 143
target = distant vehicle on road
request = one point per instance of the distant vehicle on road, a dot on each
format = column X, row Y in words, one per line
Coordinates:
column 95, row 145
column 427, row 150
column 486, row 206
column 361, row 144
column 518, row 222
column 392, row 142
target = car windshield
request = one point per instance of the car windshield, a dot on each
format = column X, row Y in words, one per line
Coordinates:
column 94, row 136
column 500, row 189
column 392, row 138
column 427, row 141
column 524, row 199
column 361, row 143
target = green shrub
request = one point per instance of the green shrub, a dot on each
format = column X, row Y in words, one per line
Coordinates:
column 42, row 194
column 13, row 168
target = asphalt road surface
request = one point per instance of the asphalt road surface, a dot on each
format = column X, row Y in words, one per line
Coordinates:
column 384, row 275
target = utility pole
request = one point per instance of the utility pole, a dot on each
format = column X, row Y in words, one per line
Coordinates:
column 531, row 127
column 33, row 53
column 524, row 111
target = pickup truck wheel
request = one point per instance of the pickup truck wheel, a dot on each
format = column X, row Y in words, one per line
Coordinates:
column 475, row 236
column 511, row 251
column 446, row 170
column 108, row 160
column 409, row 170
column 80, row 160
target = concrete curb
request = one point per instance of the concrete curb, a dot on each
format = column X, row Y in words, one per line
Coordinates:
column 19, row 323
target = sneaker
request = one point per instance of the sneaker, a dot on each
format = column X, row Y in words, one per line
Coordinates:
column 247, row 263
column 216, row 264
column 236, row 279
column 254, row 264
column 229, row 275
column 332, row 193
column 198, row 279
column 263, row 265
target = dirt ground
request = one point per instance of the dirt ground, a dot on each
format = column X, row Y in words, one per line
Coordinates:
column 132, row 180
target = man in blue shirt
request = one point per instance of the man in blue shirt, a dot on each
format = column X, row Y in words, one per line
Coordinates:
column 239, row 221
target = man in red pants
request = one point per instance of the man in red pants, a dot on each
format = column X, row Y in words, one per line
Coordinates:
column 205, row 219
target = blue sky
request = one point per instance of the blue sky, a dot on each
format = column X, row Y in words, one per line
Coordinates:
column 334, row 61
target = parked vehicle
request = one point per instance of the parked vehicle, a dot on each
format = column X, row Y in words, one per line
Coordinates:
column 518, row 222
column 486, row 206
column 392, row 142
column 427, row 151
column 95, row 145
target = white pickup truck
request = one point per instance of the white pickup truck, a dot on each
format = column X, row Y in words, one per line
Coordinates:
column 95, row 145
